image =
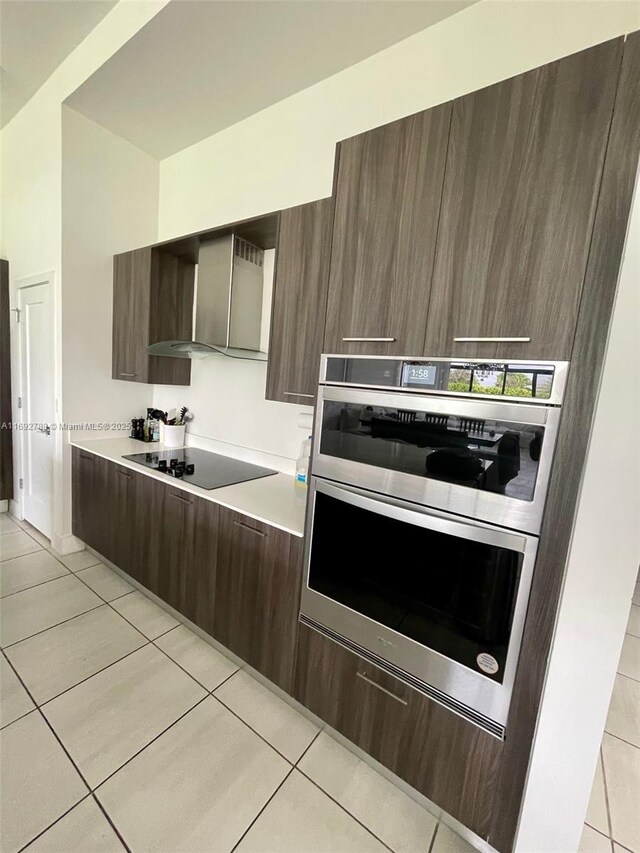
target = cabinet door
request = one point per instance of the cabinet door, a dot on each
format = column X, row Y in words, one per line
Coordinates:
column 152, row 301
column 171, row 319
column 122, row 515
column 299, row 302
column 258, row 579
column 148, row 558
column 523, row 171
column 90, row 506
column 198, row 590
column 387, row 201
column 451, row 761
column 175, row 536
column 131, row 314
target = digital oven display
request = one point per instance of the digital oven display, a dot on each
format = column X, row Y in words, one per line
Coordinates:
column 419, row 374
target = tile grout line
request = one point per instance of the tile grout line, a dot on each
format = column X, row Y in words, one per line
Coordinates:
column 307, row 748
column 63, row 622
column 239, row 841
column 110, row 821
column 97, row 672
column 35, row 585
column 606, row 794
column 51, row 825
column 153, row 740
column 179, row 665
column 245, row 723
column 433, row 837
column 617, row 737
column 344, row 808
column 26, row 713
column 39, row 711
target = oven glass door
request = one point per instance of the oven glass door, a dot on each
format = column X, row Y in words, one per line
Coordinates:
column 449, row 593
column 500, row 450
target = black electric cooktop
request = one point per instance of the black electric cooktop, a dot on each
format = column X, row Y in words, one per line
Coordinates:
column 200, row 467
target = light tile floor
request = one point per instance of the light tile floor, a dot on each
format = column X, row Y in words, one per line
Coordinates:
column 122, row 729
column 612, row 824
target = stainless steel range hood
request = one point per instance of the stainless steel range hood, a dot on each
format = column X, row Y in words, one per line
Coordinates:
column 228, row 303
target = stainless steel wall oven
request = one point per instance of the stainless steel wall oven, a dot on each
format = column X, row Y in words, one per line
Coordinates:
column 428, row 484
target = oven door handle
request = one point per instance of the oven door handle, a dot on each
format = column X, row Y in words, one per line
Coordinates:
column 428, row 518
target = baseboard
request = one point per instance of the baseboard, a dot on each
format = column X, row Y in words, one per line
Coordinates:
column 15, row 509
column 68, row 544
column 4, row 506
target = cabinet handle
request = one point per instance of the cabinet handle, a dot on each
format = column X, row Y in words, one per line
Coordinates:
column 297, row 394
column 380, row 687
column 124, row 473
column 371, row 340
column 180, row 498
column 127, row 374
column 250, row 529
column 494, row 340
column 87, row 456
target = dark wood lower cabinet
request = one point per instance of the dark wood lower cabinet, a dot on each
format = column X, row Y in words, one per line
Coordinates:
column 233, row 577
column 239, row 580
column 257, row 595
column 91, row 509
column 120, row 502
column 451, row 761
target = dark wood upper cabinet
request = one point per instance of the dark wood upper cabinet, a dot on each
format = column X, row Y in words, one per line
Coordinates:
column 258, row 578
column 152, row 301
column 299, row 302
column 523, row 172
column 388, row 188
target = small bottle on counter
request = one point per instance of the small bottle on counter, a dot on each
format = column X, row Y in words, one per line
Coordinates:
column 302, row 462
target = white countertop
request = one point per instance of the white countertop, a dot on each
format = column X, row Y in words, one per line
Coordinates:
column 275, row 500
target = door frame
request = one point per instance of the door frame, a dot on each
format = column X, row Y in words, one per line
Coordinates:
column 18, row 379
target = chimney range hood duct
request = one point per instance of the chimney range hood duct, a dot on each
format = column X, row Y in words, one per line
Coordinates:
column 228, row 303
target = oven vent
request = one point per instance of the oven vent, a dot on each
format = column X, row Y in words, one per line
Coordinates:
column 249, row 252
column 458, row 708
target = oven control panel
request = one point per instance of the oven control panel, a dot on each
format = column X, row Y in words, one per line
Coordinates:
column 526, row 380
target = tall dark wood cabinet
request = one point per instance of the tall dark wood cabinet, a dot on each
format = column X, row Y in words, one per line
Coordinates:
column 258, row 577
column 299, row 302
column 152, row 301
column 388, row 188
column 524, row 166
column 6, row 434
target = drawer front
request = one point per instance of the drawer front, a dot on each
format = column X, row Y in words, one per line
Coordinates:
column 446, row 758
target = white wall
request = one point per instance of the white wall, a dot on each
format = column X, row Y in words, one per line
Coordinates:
column 601, row 573
column 109, row 205
column 31, row 191
column 283, row 156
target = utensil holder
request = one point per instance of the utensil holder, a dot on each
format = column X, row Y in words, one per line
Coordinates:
column 172, row 436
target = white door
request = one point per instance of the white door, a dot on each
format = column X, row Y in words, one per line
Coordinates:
column 38, row 404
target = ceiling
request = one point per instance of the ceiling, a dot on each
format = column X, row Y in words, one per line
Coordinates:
column 200, row 66
column 35, row 36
